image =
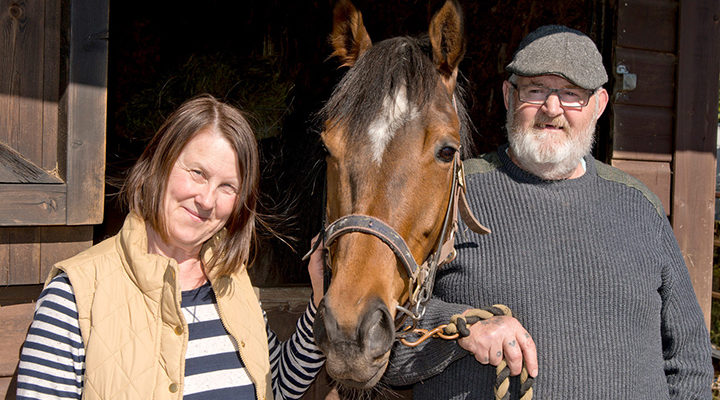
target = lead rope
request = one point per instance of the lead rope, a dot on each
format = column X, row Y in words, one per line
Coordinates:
column 459, row 327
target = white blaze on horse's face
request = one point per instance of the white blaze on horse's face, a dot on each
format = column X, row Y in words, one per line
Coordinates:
column 396, row 112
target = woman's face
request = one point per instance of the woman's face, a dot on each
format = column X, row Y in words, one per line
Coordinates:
column 201, row 190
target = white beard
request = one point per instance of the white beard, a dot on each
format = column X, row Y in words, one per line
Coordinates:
column 547, row 155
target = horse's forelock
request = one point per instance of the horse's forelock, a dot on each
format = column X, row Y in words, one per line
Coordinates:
column 386, row 68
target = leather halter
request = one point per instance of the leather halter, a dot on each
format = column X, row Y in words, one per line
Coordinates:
column 422, row 277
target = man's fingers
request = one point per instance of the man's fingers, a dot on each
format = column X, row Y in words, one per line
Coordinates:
column 496, row 354
column 529, row 352
column 500, row 338
column 482, row 358
column 513, row 356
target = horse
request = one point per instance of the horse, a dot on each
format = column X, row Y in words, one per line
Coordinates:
column 394, row 127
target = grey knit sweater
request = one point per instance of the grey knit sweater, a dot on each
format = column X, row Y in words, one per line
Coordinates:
column 591, row 269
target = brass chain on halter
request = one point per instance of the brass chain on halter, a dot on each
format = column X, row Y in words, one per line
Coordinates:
column 459, row 327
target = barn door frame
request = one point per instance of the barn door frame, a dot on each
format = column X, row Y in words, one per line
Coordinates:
column 62, row 183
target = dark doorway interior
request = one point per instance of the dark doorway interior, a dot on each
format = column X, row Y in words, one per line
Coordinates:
column 270, row 59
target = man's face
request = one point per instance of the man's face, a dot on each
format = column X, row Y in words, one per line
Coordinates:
column 549, row 139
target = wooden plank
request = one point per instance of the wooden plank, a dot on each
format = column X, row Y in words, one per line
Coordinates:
column 30, row 252
column 16, row 320
column 7, row 388
column 14, row 168
column 51, row 84
column 655, row 175
column 642, row 133
column 655, row 78
column 284, row 305
column 26, row 204
column 21, row 76
column 647, row 24
column 695, row 147
column 60, row 242
column 24, row 265
column 87, row 109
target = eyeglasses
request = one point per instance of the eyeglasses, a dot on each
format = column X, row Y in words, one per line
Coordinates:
column 538, row 95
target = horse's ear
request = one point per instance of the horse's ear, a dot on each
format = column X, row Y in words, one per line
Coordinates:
column 349, row 37
column 447, row 37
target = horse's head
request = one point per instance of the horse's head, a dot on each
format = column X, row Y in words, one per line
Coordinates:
column 392, row 130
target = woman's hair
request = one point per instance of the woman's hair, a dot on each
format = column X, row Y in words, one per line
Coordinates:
column 144, row 188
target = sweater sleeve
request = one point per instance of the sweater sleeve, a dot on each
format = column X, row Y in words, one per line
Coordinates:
column 409, row 365
column 296, row 362
column 686, row 344
column 52, row 360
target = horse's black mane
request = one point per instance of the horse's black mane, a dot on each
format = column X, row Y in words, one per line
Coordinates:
column 358, row 98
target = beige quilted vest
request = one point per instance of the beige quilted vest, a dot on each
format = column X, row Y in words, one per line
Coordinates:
column 132, row 327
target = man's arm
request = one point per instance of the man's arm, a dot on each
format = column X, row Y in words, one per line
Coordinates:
column 686, row 344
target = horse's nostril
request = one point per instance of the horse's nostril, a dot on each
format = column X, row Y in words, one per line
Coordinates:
column 325, row 327
column 377, row 330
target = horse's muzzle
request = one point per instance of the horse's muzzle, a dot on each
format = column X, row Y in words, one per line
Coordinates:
column 357, row 354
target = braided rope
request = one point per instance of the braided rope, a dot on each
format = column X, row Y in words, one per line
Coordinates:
column 459, row 324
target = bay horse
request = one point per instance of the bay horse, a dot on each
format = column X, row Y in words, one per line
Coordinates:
column 394, row 127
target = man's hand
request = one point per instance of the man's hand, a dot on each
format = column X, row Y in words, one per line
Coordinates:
column 492, row 339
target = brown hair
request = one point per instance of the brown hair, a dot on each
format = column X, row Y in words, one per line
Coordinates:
column 146, row 183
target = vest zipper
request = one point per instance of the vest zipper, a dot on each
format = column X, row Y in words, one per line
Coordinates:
column 238, row 341
column 186, row 334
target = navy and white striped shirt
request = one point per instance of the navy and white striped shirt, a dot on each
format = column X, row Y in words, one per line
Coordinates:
column 52, row 362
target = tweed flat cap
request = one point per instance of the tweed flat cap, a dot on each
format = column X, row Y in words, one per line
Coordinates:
column 559, row 50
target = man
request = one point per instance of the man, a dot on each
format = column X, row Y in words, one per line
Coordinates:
column 581, row 252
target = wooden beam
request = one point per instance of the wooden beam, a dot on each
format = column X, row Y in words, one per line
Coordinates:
column 644, row 133
column 14, row 168
column 29, row 204
column 54, row 69
column 21, row 77
column 87, row 111
column 695, row 137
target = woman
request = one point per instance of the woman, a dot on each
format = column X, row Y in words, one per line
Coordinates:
column 165, row 308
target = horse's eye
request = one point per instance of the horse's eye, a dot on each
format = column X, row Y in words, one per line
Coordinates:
column 446, row 154
column 324, row 149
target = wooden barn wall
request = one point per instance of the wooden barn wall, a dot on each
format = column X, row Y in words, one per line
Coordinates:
column 665, row 69
column 643, row 117
column 53, row 79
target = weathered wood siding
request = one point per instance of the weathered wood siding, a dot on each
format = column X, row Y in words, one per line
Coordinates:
column 53, row 63
column 642, row 117
column 53, row 96
column 664, row 129
column 695, row 141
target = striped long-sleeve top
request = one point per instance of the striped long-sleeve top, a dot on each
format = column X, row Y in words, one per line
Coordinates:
column 52, row 361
